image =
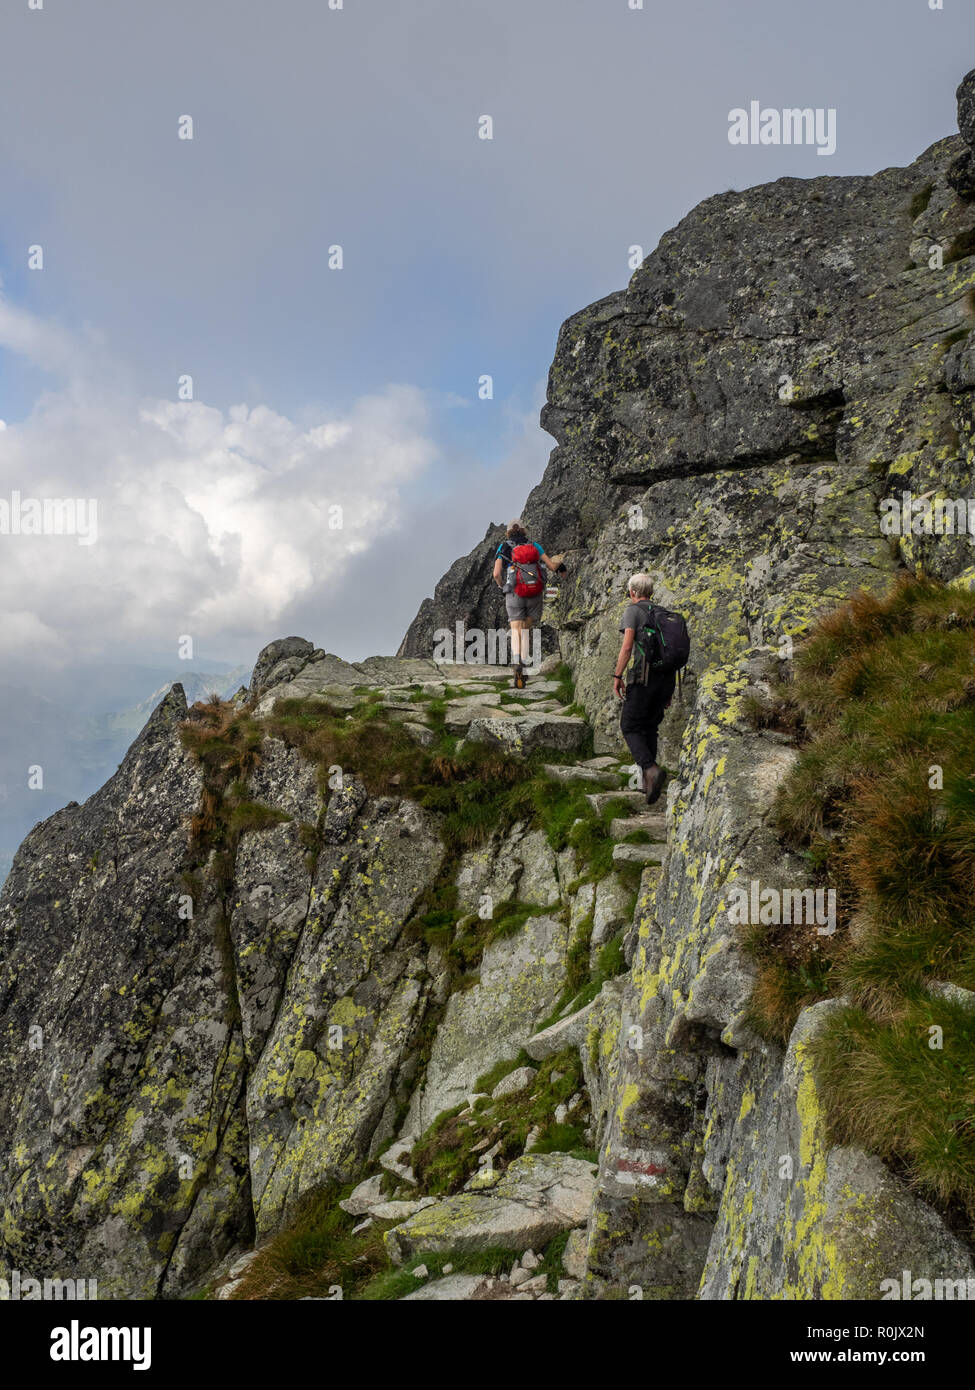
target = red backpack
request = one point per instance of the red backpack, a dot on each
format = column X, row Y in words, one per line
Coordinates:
column 526, row 563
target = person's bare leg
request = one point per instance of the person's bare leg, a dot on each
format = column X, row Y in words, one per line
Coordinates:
column 517, row 627
column 526, row 643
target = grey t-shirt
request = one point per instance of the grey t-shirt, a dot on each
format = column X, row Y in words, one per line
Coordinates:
column 635, row 615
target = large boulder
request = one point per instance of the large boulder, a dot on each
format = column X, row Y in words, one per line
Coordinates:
column 522, row 734
column 277, row 661
column 536, row 1197
column 836, row 1222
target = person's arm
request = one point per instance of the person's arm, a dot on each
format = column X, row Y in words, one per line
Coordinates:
column 550, row 565
column 622, row 661
column 498, row 567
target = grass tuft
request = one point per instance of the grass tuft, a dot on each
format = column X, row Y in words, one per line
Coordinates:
column 881, row 801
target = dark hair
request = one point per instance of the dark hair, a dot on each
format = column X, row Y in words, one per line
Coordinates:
column 515, row 528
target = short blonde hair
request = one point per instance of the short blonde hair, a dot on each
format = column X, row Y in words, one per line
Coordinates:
column 641, row 585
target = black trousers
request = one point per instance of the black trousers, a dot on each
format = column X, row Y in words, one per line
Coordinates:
column 642, row 712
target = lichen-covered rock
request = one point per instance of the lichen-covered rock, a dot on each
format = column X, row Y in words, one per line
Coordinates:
column 520, row 865
column 522, row 734
column 799, row 1219
column 538, row 1196
column 965, row 96
column 278, row 661
column 228, row 1055
column 599, row 1051
column 519, row 980
column 565, row 1032
column 348, row 1012
column 121, row 1065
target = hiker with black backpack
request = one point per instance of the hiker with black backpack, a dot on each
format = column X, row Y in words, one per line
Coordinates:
column 522, row 564
column 656, row 646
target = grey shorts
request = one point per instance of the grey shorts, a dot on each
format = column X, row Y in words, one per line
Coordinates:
column 524, row 609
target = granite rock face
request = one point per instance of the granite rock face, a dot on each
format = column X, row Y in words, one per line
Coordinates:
column 743, row 421
column 786, row 359
column 121, row 1061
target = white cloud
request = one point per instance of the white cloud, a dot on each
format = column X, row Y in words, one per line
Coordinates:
column 208, row 522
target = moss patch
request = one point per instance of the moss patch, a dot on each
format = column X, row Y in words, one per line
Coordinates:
column 448, row 1153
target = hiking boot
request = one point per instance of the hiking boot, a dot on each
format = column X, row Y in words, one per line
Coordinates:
column 519, row 678
column 654, row 778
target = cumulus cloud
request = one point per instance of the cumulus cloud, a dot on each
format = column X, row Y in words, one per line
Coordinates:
column 208, row 522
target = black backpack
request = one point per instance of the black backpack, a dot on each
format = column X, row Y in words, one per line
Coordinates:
column 664, row 644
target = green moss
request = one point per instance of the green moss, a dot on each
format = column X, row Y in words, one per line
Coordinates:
column 448, row 1153
column 500, row 1070
column 253, row 815
column 396, row 1282
column 551, row 1264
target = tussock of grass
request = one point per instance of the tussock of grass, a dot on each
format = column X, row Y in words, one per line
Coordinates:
column 566, row 692
column 920, row 200
column 890, row 1091
column 254, row 815
column 882, row 801
column 226, row 744
column 793, row 972
column 779, row 712
column 316, row 1253
column 961, row 247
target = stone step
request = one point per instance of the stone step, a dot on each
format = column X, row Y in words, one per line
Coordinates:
column 523, row 733
column 533, row 692
column 454, row 673
column 653, row 822
column 599, row 800
column 536, row 1197
column 573, row 772
column 538, row 685
column 639, row 854
column 467, row 700
column 464, row 715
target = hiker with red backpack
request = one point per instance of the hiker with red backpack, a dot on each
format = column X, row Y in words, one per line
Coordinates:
column 519, row 572
column 656, row 646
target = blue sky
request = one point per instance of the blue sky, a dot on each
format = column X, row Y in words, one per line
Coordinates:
column 355, row 126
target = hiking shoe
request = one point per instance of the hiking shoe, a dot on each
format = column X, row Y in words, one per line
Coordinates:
column 519, row 678
column 654, row 778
